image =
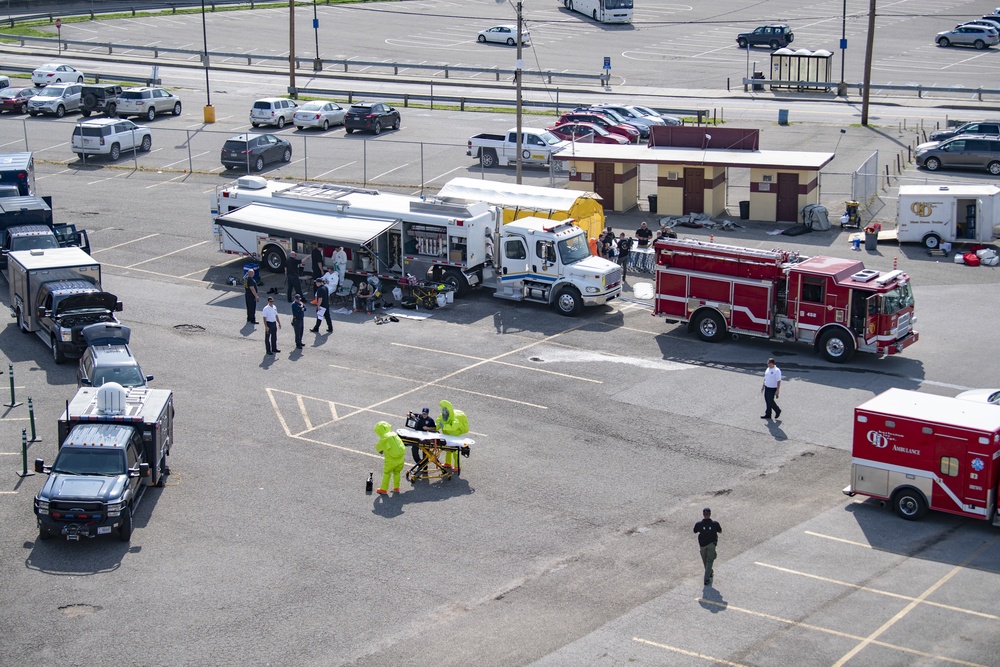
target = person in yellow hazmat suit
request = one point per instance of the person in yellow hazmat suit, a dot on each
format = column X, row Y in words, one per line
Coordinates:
column 451, row 422
column 391, row 447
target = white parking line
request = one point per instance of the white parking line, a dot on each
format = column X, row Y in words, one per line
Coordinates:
column 110, row 178
column 169, row 181
column 335, row 169
column 141, row 238
column 445, row 174
column 153, row 259
column 405, row 164
column 168, row 165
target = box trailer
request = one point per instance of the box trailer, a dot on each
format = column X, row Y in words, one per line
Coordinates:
column 932, row 214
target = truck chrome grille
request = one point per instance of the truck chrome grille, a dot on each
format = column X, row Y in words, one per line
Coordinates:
column 614, row 277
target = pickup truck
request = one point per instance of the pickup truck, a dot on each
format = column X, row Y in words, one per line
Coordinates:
column 537, row 147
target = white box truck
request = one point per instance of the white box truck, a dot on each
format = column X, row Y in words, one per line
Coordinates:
column 932, row 214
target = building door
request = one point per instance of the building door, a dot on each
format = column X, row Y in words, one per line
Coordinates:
column 788, row 198
column 694, row 191
column 604, row 183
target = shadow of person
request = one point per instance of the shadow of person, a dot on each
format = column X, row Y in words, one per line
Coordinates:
column 388, row 506
column 712, row 600
column 776, row 431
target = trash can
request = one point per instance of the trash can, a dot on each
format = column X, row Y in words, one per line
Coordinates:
column 871, row 240
column 745, row 210
column 757, row 87
column 652, row 203
column 782, row 116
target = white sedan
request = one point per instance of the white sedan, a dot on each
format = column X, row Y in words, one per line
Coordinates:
column 56, row 73
column 319, row 113
column 503, row 34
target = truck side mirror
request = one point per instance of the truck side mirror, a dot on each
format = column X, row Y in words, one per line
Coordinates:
column 119, row 307
column 143, row 470
column 84, row 382
column 41, row 311
column 149, row 378
column 39, row 465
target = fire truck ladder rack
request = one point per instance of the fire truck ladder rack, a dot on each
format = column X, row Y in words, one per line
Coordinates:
column 779, row 256
column 322, row 192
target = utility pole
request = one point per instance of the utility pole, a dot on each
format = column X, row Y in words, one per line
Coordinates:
column 518, row 72
column 868, row 63
column 291, row 48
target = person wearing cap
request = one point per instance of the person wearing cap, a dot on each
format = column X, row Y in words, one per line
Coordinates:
column 425, row 422
column 708, row 537
column 298, row 320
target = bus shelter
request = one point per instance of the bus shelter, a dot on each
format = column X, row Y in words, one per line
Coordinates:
column 524, row 201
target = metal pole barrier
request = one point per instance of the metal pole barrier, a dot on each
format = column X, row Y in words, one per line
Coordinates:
column 190, row 161
column 364, row 160
column 24, row 455
column 31, row 416
column 13, row 401
column 421, row 169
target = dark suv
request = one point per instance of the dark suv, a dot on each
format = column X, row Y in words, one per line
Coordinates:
column 100, row 99
column 371, row 116
column 253, row 151
column 774, row 36
column 991, row 127
column 108, row 358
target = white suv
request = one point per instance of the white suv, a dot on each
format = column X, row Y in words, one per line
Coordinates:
column 272, row 111
column 110, row 136
column 147, row 102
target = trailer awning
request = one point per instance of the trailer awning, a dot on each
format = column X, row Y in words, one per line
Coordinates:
column 305, row 226
column 511, row 194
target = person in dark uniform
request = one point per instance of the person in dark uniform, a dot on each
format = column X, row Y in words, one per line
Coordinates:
column 317, row 262
column 708, row 537
column 298, row 320
column 292, row 283
column 424, row 422
column 322, row 307
column 643, row 235
column 250, row 296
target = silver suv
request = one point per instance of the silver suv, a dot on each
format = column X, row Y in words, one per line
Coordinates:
column 147, row 102
column 969, row 35
column 272, row 111
column 110, row 136
column 56, row 99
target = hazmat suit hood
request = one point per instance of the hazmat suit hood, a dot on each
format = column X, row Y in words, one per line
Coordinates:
column 447, row 412
column 382, row 428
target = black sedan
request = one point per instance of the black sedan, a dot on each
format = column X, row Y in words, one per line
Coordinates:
column 371, row 116
column 15, row 100
column 253, row 151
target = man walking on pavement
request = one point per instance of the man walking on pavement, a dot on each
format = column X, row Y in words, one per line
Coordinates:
column 298, row 320
column 771, row 388
column 250, row 296
column 292, row 283
column 271, row 325
column 708, row 537
column 322, row 307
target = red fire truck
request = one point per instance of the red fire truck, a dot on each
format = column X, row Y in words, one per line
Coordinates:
column 836, row 304
column 921, row 451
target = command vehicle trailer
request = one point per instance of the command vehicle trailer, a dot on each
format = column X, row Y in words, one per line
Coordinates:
column 930, row 214
column 836, row 304
column 536, row 260
column 114, row 442
column 921, row 451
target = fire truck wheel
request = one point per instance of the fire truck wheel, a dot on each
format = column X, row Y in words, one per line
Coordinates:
column 836, row 346
column 274, row 259
column 454, row 279
column 932, row 241
column 909, row 504
column 125, row 530
column 710, row 326
column 569, row 302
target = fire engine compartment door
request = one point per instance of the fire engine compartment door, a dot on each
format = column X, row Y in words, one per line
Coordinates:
column 751, row 309
column 978, row 475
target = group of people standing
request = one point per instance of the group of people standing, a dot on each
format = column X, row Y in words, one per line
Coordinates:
column 617, row 248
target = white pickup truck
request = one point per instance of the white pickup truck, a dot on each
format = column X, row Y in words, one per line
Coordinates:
column 537, row 147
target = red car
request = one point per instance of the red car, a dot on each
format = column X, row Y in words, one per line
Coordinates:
column 604, row 122
column 587, row 132
column 15, row 100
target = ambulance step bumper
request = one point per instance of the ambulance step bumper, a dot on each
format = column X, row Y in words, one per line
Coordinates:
column 848, row 491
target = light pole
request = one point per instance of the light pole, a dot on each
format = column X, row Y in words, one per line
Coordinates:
column 209, row 116
column 518, row 71
column 317, row 63
column 291, row 48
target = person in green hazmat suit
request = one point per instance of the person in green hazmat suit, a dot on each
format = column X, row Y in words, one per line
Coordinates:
column 391, row 447
column 451, row 422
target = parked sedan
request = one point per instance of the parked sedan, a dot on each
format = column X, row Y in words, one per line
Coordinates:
column 969, row 35
column 319, row 113
column 253, row 151
column 371, row 116
column 16, row 100
column 602, row 121
column 587, row 133
column 56, row 73
column 503, row 34
column 667, row 120
column 619, row 119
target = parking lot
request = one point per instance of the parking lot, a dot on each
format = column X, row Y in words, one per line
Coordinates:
column 567, row 538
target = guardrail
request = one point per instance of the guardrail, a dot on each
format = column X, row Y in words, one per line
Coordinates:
column 558, row 104
column 826, row 86
column 602, row 79
column 78, row 9
column 146, row 81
